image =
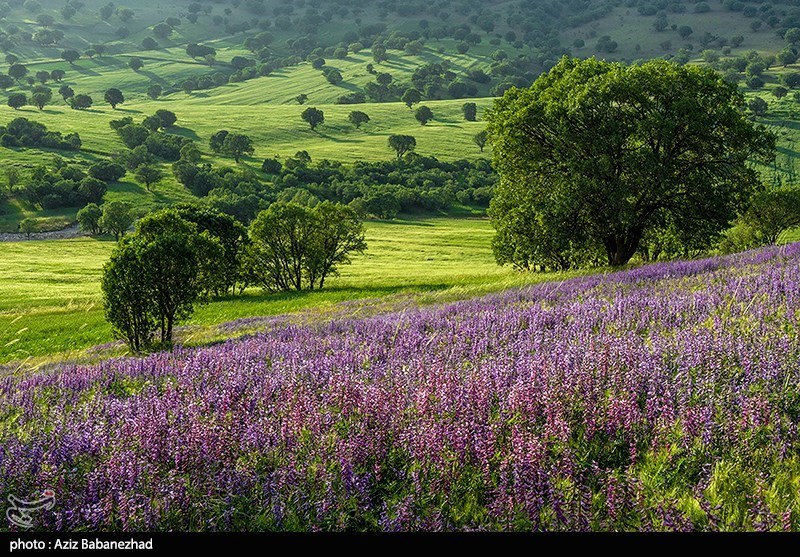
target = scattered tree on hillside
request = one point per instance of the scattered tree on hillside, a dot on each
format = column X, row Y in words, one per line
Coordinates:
column 786, row 56
column 89, row 219
column 151, row 281
column 13, row 177
column 162, row 30
column 357, row 118
column 148, row 43
column 379, row 53
column 17, row 100
column 402, row 144
column 154, row 91
column 28, row 227
column 271, row 166
column 40, row 96
column 66, row 92
column 780, row 92
column 166, row 117
column 480, row 139
column 114, row 97
column 301, row 98
column 135, row 63
column 655, row 148
column 149, row 175
column 107, row 171
column 758, row 106
column 70, row 56
column 57, row 75
column 107, row 11
column 17, row 71
column 333, row 76
column 236, row 145
column 217, row 139
column 296, row 247
column 80, row 102
column 470, row 111
column 773, row 212
column 411, row 97
column 42, row 76
column 313, row 116
column 117, row 218
column 423, row 115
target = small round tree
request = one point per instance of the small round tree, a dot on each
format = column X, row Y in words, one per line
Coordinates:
column 114, row 97
column 135, row 63
column 357, row 118
column 313, row 116
column 411, row 97
column 402, row 144
column 470, row 111
column 148, row 175
column 480, row 139
column 17, row 100
column 423, row 115
column 236, row 145
column 70, row 56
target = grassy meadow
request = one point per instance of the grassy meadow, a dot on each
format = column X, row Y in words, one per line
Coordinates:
column 51, row 302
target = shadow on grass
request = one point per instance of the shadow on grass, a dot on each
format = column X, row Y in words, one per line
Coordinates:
column 407, row 222
column 184, row 132
column 84, row 71
column 154, row 78
column 335, row 293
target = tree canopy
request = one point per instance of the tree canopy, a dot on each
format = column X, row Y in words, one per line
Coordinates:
column 402, row 144
column 313, row 116
column 114, row 97
column 596, row 155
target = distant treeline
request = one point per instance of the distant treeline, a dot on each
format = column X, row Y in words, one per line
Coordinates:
column 381, row 189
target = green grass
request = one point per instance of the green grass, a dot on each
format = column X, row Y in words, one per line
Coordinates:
column 51, row 303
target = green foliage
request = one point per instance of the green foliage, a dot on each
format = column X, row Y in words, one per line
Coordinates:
column 151, row 280
column 114, row 97
column 313, row 116
column 402, row 144
column 148, row 175
column 89, row 218
column 297, row 247
column 480, row 139
column 423, row 115
column 470, row 113
column 28, row 227
column 117, row 218
column 217, row 140
column 357, row 118
column 595, row 155
column 80, row 102
column 411, row 97
column 40, row 96
column 758, row 106
column 236, row 145
column 773, row 212
column 17, row 100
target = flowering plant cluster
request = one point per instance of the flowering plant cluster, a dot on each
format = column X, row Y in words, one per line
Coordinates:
column 662, row 398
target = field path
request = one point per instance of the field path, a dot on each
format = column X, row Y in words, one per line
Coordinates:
column 72, row 231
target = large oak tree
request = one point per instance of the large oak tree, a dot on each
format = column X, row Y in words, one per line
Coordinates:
column 594, row 155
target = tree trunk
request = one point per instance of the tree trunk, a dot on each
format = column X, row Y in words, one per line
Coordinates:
column 168, row 339
column 620, row 249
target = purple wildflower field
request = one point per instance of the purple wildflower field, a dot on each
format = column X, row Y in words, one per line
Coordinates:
column 661, row 398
